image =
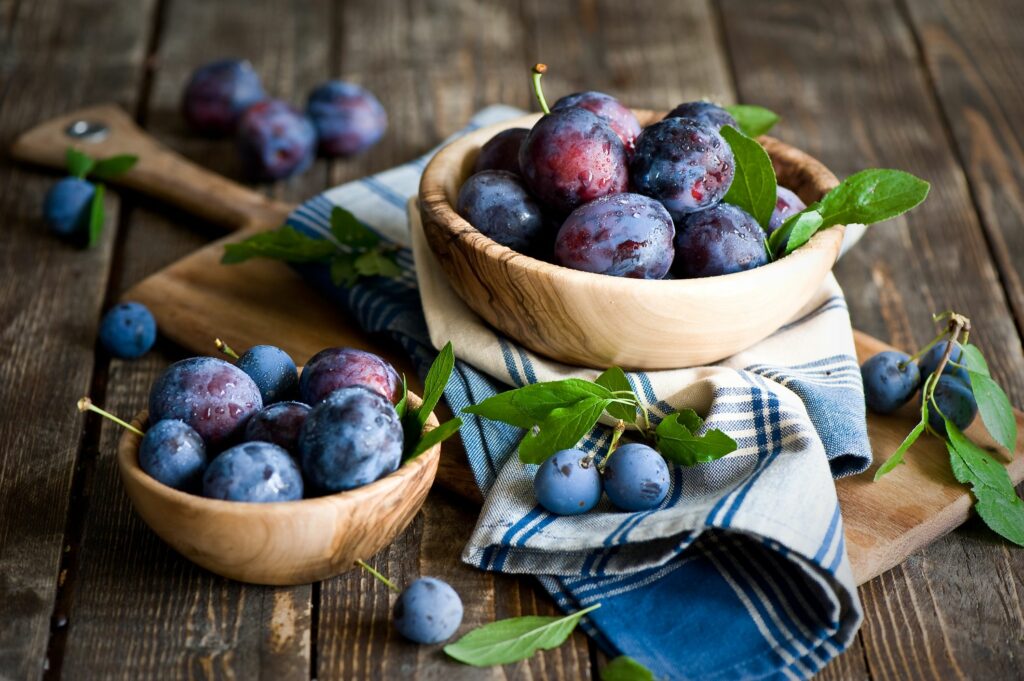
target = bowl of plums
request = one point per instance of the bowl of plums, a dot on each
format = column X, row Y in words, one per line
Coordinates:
column 600, row 235
column 267, row 474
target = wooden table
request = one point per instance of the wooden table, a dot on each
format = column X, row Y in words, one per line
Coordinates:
column 86, row 591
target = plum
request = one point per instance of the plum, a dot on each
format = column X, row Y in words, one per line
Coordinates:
column 929, row 361
column 620, row 118
column 501, row 152
column 497, row 203
column 955, row 401
column 257, row 472
column 128, row 330
column 428, row 611
column 273, row 371
column 719, row 240
column 275, row 140
column 173, row 453
column 334, row 368
column 787, row 204
column 66, row 209
column 704, row 113
column 563, row 485
column 280, row 424
column 218, row 93
column 636, row 477
column 890, row 380
column 348, row 118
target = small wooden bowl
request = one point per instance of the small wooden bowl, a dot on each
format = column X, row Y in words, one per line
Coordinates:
column 598, row 321
column 289, row 542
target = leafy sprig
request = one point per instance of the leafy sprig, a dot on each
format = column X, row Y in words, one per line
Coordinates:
column 352, row 251
column 558, row 414
column 996, row 501
column 753, row 120
column 413, row 419
column 83, row 166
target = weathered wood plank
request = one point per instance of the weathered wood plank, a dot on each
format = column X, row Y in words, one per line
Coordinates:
column 847, row 80
column 50, row 299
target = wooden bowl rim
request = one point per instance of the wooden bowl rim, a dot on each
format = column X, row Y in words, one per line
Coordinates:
column 434, row 200
column 128, row 462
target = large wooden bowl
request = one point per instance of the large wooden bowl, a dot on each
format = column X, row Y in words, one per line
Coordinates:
column 597, row 320
column 289, row 542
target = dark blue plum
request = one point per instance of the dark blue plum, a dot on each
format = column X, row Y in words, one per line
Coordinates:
column 787, row 204
column 929, row 362
column 619, row 117
column 173, row 453
column 501, row 152
column 428, row 611
column 334, row 368
column 625, row 235
column 273, row 371
column 572, row 157
column 209, row 394
column 687, row 166
column 66, row 209
column 349, row 440
column 564, row 486
column 636, row 477
column 890, row 379
column 348, row 118
column 258, row 472
column 218, row 93
column 497, row 203
column 275, row 140
column 955, row 401
column 704, row 113
column 719, row 240
column 128, row 330
column 279, row 424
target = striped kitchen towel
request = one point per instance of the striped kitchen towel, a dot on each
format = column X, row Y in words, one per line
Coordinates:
column 742, row 571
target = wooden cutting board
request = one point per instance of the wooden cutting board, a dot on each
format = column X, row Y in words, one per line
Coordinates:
column 196, row 298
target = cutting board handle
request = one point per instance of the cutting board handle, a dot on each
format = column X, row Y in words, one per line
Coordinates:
column 159, row 172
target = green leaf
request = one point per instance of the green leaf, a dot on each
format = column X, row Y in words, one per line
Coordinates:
column 527, row 406
column 563, row 428
column 110, row 168
column 377, row 263
column 753, row 120
column 514, row 639
column 284, row 243
column 437, row 379
column 343, row 269
column 804, row 225
column 996, row 501
column 872, row 196
column 79, row 164
column 615, row 380
column 753, row 185
column 897, row 457
column 625, row 668
column 433, row 437
column 974, row 360
column 96, row 216
column 347, row 229
column 677, row 443
column 403, row 403
column 996, row 410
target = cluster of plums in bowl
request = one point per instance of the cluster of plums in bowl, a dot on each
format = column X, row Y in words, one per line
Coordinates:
column 275, row 139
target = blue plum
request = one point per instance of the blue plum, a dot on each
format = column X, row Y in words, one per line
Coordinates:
column 275, row 140
column 212, row 396
column 497, row 203
column 350, row 439
column 929, row 361
column 619, row 117
column 624, row 235
column 348, row 118
column 280, row 424
column 787, row 204
column 704, row 113
column 572, row 157
column 218, row 93
column 173, row 453
column 719, row 240
column 272, row 370
column 687, row 166
column 66, row 208
column 956, row 402
column 563, row 485
column 128, row 330
column 428, row 611
column 636, row 477
column 890, row 379
column 258, row 472
column 334, row 368
column 501, row 152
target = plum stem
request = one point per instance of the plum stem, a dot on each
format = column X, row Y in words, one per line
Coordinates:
column 620, row 428
column 85, row 404
column 538, row 71
column 384, row 580
column 225, row 348
column 957, row 324
column 920, row 353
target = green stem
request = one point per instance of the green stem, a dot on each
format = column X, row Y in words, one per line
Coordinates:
column 85, row 404
column 538, row 71
column 922, row 351
column 620, row 428
column 225, row 348
column 384, row 580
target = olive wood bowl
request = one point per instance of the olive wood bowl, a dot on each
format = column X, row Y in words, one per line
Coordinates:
column 597, row 320
column 287, row 542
